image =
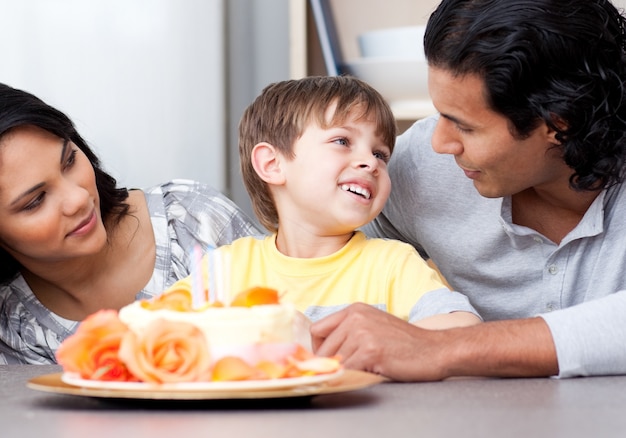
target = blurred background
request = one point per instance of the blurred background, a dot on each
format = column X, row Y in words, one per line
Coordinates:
column 148, row 82
column 157, row 87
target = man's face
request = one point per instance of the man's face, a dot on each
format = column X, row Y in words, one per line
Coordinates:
column 481, row 141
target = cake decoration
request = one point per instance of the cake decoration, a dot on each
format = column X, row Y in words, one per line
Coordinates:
column 168, row 339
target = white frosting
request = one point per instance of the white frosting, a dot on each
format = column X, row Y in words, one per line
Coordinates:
column 225, row 326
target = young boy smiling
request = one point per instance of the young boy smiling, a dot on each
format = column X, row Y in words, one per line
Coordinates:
column 314, row 156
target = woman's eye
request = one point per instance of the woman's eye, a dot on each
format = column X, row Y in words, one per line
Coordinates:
column 71, row 159
column 35, row 202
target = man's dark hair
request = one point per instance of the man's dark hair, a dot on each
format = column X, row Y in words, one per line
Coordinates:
column 558, row 61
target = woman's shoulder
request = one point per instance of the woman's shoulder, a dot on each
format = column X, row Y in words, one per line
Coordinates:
column 29, row 332
column 181, row 189
column 195, row 212
column 180, row 198
column 14, row 292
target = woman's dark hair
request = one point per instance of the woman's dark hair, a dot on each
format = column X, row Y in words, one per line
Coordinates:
column 19, row 108
column 558, row 61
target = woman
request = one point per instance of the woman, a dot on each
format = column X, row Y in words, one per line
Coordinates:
column 71, row 242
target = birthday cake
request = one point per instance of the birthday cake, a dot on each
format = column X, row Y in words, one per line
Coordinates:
column 168, row 340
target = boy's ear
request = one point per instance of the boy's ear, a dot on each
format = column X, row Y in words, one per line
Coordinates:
column 266, row 162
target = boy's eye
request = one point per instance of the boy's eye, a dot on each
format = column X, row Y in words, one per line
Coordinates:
column 342, row 141
column 381, row 155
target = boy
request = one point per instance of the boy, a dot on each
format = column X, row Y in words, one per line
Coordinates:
column 314, row 156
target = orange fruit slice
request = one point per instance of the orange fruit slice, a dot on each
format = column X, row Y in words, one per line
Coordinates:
column 231, row 368
column 177, row 298
column 255, row 296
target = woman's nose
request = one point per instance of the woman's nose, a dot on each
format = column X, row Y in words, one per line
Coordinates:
column 75, row 198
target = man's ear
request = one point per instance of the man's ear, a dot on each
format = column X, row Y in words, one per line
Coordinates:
column 560, row 124
column 266, row 161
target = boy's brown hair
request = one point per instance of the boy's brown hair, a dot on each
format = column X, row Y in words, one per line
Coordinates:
column 283, row 111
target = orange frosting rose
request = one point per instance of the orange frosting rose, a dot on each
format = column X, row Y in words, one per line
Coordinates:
column 167, row 352
column 92, row 350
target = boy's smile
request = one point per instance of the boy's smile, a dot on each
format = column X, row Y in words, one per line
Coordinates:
column 337, row 180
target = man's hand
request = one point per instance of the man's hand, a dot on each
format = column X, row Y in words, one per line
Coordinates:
column 372, row 340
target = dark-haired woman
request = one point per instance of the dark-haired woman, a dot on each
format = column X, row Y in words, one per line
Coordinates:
column 72, row 242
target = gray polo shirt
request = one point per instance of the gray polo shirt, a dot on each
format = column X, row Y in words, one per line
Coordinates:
column 509, row 271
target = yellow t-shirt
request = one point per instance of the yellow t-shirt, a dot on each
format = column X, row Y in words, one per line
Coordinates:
column 385, row 273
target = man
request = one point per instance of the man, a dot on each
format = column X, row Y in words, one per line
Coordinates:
column 515, row 190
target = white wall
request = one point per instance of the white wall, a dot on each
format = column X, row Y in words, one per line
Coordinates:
column 258, row 54
column 142, row 79
column 145, row 81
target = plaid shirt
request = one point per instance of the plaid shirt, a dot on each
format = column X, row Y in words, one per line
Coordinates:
column 183, row 213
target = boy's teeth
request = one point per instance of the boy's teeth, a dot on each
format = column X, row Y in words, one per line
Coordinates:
column 356, row 189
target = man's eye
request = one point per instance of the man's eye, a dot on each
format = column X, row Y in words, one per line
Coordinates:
column 462, row 129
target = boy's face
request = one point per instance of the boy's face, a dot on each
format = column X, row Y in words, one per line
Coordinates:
column 338, row 178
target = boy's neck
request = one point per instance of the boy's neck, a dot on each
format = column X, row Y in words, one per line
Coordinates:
column 305, row 244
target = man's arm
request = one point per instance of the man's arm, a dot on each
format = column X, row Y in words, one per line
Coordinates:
column 372, row 340
column 589, row 337
column 448, row 320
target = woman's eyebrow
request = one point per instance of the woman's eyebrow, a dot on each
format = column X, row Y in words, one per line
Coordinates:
column 64, row 148
column 40, row 185
column 26, row 193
